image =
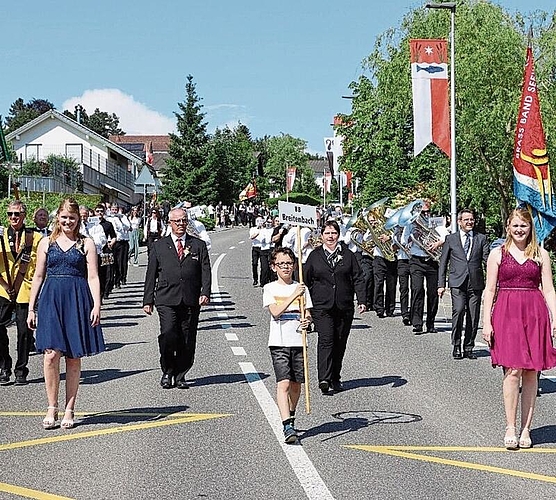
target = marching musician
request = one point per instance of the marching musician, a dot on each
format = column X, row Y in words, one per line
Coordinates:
column 422, row 267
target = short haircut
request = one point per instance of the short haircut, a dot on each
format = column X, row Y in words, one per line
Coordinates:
column 281, row 250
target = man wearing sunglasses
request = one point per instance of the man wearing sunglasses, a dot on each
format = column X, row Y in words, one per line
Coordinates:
column 178, row 283
column 17, row 267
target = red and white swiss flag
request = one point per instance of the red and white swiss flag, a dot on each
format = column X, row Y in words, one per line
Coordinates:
column 429, row 76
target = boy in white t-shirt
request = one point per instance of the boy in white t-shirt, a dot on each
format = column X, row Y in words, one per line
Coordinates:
column 282, row 299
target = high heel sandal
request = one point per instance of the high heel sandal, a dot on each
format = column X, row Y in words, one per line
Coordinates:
column 525, row 441
column 510, row 441
column 50, row 422
column 67, row 423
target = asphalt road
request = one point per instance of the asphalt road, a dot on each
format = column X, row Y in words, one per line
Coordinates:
column 413, row 422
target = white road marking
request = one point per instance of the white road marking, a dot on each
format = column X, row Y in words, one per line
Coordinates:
column 231, row 248
column 310, row 480
column 222, row 315
column 552, row 378
column 306, row 473
column 240, row 242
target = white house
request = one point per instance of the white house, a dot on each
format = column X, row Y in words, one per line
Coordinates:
column 107, row 168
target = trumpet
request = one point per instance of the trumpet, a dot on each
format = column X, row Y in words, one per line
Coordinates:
column 360, row 226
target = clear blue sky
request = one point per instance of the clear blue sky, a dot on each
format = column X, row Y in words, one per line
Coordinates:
column 278, row 66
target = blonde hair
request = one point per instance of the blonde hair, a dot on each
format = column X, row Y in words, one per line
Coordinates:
column 532, row 249
column 70, row 205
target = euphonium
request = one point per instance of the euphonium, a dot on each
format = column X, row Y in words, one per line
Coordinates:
column 422, row 235
column 393, row 224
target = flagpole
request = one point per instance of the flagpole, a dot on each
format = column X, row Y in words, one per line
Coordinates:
column 287, row 182
column 453, row 171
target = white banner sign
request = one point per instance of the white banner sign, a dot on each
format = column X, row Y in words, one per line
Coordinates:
column 297, row 215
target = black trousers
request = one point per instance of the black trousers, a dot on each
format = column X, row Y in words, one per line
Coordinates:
column 255, row 257
column 265, row 267
column 403, row 280
column 385, row 272
column 333, row 327
column 366, row 263
column 106, row 278
column 24, row 337
column 178, row 338
column 423, row 270
column 119, row 256
column 466, row 303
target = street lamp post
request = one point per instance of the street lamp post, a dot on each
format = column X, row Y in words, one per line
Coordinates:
column 451, row 6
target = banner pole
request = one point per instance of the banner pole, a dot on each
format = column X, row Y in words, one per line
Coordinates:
column 303, row 330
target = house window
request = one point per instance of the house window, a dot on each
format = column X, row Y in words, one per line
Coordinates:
column 75, row 151
column 32, row 151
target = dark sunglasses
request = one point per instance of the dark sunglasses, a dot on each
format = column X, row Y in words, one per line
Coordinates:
column 13, row 214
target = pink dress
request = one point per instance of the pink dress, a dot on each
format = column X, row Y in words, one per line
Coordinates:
column 520, row 318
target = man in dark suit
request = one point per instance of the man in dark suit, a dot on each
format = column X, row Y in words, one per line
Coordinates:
column 465, row 252
column 177, row 282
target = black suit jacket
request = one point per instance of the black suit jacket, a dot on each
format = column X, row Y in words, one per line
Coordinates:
column 170, row 281
column 453, row 256
column 334, row 287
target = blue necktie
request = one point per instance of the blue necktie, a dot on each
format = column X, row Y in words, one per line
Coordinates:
column 467, row 244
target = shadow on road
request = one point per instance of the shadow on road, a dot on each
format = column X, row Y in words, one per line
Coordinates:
column 354, row 421
column 230, row 378
column 544, row 435
column 131, row 415
column 395, row 380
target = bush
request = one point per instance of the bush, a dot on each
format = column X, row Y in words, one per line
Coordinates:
column 208, row 222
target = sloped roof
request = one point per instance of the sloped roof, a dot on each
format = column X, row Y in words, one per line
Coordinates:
column 160, row 143
column 56, row 115
column 318, row 166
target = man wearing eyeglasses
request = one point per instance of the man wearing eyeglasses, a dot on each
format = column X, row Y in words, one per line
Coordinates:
column 178, row 283
column 17, row 267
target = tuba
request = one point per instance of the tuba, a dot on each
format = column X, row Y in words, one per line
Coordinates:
column 422, row 235
column 375, row 219
column 315, row 238
column 393, row 224
column 361, row 227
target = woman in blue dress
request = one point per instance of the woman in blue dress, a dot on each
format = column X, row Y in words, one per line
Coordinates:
column 64, row 308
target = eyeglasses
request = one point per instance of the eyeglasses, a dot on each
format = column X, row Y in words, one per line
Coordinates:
column 178, row 221
column 99, row 210
column 283, row 265
column 13, row 214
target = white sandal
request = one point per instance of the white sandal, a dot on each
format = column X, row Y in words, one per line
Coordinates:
column 510, row 441
column 67, row 423
column 50, row 422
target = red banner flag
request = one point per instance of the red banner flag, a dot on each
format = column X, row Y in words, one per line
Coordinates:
column 149, row 155
column 429, row 77
column 290, row 178
column 532, row 183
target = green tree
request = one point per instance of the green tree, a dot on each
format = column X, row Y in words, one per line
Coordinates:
column 490, row 58
column 186, row 170
column 101, row 122
column 23, row 112
column 281, row 152
column 229, row 165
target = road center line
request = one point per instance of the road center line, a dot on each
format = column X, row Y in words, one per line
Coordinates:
column 310, row 479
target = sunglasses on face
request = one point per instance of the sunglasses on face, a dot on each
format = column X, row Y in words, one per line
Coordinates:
column 14, row 214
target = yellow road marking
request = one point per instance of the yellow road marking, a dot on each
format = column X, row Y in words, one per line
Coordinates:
column 28, row 493
column 173, row 419
column 183, row 418
column 403, row 452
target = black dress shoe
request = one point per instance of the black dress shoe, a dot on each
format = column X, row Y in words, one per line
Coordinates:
column 324, row 386
column 5, row 377
column 166, row 381
column 431, row 329
column 380, row 315
column 337, row 386
column 418, row 329
column 182, row 384
column 21, row 380
column 456, row 353
column 469, row 355
column 406, row 321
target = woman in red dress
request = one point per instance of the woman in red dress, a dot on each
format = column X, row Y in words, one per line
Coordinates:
column 519, row 320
